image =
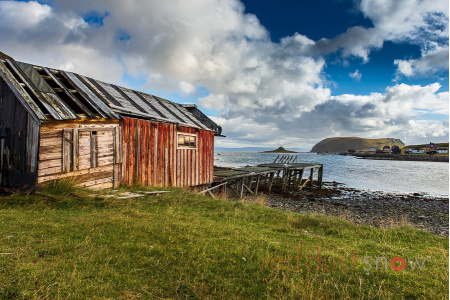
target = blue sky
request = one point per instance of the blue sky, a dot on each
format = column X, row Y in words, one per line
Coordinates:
column 271, row 73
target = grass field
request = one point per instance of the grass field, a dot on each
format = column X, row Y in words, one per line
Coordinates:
column 68, row 243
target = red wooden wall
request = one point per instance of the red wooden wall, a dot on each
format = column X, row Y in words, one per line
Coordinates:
column 151, row 158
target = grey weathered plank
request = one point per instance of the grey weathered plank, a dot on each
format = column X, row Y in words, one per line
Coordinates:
column 32, row 144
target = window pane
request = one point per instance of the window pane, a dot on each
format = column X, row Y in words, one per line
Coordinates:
column 186, row 141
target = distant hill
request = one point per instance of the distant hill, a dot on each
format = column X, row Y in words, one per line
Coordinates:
column 253, row 149
column 279, row 150
column 439, row 145
column 4, row 56
column 342, row 144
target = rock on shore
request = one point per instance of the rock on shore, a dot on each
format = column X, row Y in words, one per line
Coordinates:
column 372, row 208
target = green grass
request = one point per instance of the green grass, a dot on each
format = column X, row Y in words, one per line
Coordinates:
column 67, row 243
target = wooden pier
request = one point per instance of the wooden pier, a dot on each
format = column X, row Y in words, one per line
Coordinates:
column 284, row 173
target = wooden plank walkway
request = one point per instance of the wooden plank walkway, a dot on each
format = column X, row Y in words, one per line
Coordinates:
column 285, row 173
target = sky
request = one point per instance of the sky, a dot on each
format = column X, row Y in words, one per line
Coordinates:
column 271, row 73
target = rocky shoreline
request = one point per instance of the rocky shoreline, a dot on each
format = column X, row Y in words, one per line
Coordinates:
column 402, row 157
column 379, row 209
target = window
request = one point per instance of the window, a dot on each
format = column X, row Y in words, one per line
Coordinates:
column 188, row 141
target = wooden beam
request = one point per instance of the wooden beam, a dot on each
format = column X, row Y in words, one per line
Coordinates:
column 212, row 188
column 272, row 176
column 257, row 184
column 248, row 189
column 307, row 180
column 320, row 176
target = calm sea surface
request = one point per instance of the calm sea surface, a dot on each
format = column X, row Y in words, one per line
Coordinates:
column 431, row 178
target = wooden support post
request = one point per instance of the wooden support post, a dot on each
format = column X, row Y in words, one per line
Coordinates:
column 272, row 175
column 264, row 183
column 311, row 179
column 284, row 180
column 242, row 188
column 289, row 175
column 250, row 182
column 257, row 184
column 294, row 184
column 300, row 179
column 320, row 177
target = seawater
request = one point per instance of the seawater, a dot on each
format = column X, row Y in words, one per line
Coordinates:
column 430, row 178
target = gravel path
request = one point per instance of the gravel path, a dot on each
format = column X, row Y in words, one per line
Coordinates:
column 377, row 209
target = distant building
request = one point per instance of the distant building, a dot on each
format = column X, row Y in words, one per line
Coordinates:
column 442, row 150
column 414, row 151
column 431, row 148
column 396, row 150
column 373, row 149
column 351, row 151
column 387, row 149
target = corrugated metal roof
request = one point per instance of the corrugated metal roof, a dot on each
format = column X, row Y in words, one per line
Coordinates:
column 55, row 94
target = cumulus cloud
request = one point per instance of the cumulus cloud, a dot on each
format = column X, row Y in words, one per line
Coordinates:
column 431, row 62
column 265, row 92
column 422, row 22
column 400, row 112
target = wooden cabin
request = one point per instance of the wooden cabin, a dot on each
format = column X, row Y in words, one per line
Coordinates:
column 396, row 150
column 431, row 148
column 56, row 124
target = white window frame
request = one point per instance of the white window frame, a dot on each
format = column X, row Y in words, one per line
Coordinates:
column 187, row 134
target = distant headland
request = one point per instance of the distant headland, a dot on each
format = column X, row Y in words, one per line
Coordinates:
column 342, row 144
column 279, row 150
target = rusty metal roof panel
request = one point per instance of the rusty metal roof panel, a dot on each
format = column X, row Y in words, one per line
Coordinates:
column 46, row 104
column 63, row 95
column 83, row 88
column 21, row 94
column 190, row 116
column 180, row 113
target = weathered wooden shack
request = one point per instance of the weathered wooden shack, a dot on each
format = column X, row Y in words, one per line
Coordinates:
column 56, row 124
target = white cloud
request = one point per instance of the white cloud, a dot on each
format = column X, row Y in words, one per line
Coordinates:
column 430, row 62
column 403, row 112
column 30, row 14
column 422, row 22
column 266, row 92
column 356, row 75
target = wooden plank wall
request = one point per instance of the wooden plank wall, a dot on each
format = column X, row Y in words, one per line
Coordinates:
column 151, row 158
column 19, row 146
column 50, row 160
